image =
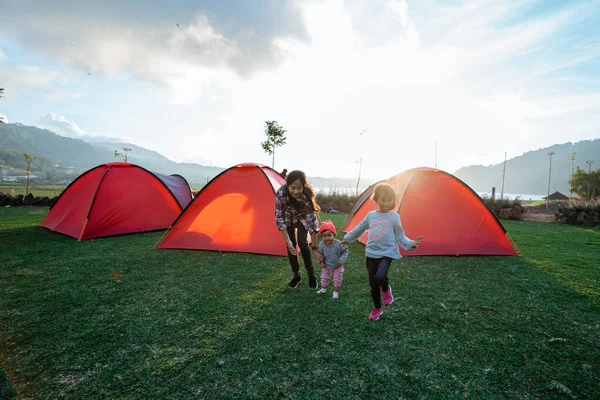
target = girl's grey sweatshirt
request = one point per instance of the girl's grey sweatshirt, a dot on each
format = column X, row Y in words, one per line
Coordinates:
column 385, row 234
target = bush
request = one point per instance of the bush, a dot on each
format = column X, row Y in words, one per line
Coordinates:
column 580, row 212
column 337, row 200
column 501, row 203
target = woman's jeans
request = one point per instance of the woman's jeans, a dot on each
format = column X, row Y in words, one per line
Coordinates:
column 304, row 249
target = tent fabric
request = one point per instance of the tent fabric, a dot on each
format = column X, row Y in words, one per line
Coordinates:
column 234, row 212
column 450, row 216
column 118, row 198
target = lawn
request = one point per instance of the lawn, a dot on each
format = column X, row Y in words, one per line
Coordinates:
column 37, row 190
column 118, row 318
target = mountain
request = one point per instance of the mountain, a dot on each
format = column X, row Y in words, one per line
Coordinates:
column 61, row 159
column 55, row 153
column 529, row 173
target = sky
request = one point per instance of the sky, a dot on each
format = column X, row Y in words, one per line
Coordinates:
column 397, row 84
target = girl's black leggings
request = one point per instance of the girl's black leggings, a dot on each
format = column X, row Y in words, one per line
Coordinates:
column 304, row 249
column 378, row 280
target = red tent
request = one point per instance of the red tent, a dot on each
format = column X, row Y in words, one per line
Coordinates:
column 118, row 198
column 233, row 212
column 450, row 216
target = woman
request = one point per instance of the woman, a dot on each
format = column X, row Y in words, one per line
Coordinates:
column 296, row 210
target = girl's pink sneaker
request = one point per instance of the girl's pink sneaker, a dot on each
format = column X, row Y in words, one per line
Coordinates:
column 375, row 314
column 387, row 297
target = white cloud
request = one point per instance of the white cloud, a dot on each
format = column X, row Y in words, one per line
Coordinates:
column 3, row 118
column 32, row 78
column 61, row 126
column 118, row 38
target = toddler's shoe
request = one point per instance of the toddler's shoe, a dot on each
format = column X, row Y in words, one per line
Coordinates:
column 312, row 282
column 335, row 295
column 294, row 282
column 321, row 291
column 387, row 297
column 375, row 314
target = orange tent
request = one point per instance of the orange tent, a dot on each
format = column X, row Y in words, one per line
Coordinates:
column 450, row 216
column 233, row 212
column 118, row 198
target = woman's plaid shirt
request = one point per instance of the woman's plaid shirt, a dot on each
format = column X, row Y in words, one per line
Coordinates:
column 287, row 215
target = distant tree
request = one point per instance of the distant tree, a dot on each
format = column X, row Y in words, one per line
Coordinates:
column 29, row 159
column 585, row 184
column 275, row 138
column 124, row 156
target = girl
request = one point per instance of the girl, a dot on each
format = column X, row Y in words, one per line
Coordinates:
column 335, row 255
column 296, row 208
column 385, row 234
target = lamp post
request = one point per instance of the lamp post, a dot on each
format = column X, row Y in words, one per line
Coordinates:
column 360, row 161
column 549, row 178
column 589, row 163
column 503, row 175
column 571, row 180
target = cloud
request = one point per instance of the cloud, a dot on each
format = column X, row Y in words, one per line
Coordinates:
column 32, row 78
column 3, row 118
column 119, row 38
column 61, row 126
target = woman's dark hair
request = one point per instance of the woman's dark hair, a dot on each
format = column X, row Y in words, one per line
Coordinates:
column 308, row 189
column 383, row 190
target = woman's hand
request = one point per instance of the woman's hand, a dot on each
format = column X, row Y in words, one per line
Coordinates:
column 291, row 248
column 318, row 256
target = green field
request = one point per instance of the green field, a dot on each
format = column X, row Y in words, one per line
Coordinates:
column 37, row 190
column 118, row 318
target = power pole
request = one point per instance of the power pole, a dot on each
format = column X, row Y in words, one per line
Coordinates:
column 570, row 180
column 503, row 174
column 589, row 163
column 549, row 177
column 360, row 161
column 435, row 155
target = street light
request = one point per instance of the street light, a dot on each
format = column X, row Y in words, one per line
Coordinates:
column 360, row 161
column 549, row 177
column 571, row 179
column 589, row 163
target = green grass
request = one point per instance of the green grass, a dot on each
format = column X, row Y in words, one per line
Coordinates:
column 35, row 189
column 117, row 318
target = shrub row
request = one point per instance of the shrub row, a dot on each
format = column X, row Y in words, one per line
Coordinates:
column 336, row 200
column 580, row 212
column 497, row 204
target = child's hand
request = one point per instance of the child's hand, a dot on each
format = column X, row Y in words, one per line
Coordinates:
column 340, row 263
column 322, row 265
column 416, row 242
column 343, row 243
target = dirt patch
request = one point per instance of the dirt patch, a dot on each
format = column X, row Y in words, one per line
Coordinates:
column 538, row 217
column 37, row 212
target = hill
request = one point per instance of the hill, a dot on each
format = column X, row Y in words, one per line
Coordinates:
column 60, row 159
column 528, row 173
column 57, row 153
